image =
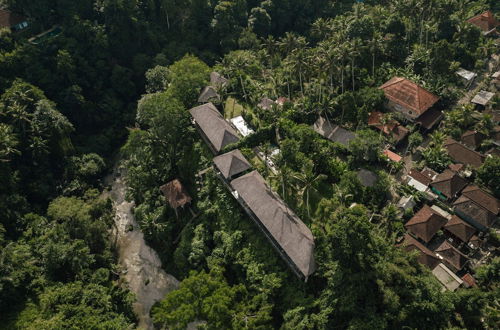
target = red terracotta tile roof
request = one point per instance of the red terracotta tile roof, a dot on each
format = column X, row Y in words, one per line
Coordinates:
column 425, row 257
column 449, row 183
column 451, row 255
column 392, row 156
column 460, row 228
column 467, row 278
column 461, row 154
column 9, row 19
column 408, row 94
column 175, row 194
column 393, row 128
column 425, row 223
column 482, row 198
column 456, row 167
column 485, row 21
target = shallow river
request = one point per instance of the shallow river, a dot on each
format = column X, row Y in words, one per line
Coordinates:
column 141, row 264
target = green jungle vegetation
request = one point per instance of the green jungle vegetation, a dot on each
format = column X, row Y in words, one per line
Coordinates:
column 117, row 83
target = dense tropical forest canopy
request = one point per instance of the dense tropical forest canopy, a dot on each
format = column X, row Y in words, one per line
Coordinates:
column 111, row 83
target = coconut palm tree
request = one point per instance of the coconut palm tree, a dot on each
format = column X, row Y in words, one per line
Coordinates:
column 8, row 143
column 306, row 182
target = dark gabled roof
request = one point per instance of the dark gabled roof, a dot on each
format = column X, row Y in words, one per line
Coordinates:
column 425, row 257
column 485, row 21
column 218, row 131
column 460, row 228
column 393, row 128
column 208, row 94
column 231, row 164
column 449, row 183
column 8, row 19
column 429, row 118
column 333, row 132
column 482, row 198
column 266, row 103
column 473, row 139
column 367, row 178
column 461, row 154
column 280, row 222
column 217, row 80
column 420, row 177
column 175, row 194
column 451, row 255
column 468, row 208
column 409, row 94
column 425, row 223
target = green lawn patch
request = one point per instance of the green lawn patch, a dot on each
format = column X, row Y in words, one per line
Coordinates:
column 232, row 108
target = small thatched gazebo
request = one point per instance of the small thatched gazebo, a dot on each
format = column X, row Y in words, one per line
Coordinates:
column 175, row 194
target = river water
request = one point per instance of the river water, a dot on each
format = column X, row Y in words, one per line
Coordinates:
column 141, row 265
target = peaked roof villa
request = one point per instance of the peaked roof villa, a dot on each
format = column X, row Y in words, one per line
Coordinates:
column 451, row 256
column 461, row 154
column 288, row 234
column 407, row 97
column 208, row 94
column 426, row 256
column 473, row 139
column 215, row 130
column 333, row 133
column 448, row 184
column 485, row 21
column 392, row 128
column 425, row 223
column 477, row 207
column 231, row 164
column 217, row 80
column 460, row 229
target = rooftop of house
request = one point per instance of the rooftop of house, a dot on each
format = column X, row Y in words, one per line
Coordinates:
column 280, row 222
column 473, row 139
column 231, row 164
column 469, row 280
column 467, row 75
column 392, row 155
column 448, row 279
column 426, row 223
column 468, row 209
column 409, row 94
column 266, row 103
column 208, row 94
column 482, row 198
column 482, row 98
column 8, row 19
column 175, row 194
column 420, row 177
column 392, row 128
column 485, row 21
column 426, row 257
column 449, row 183
column 217, row 80
column 460, row 228
column 333, row 132
column 430, row 118
column 451, row 255
column 218, row 131
column 461, row 154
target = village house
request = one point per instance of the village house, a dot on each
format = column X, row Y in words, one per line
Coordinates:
column 473, row 139
column 466, row 76
column 208, row 94
column 463, row 155
column 477, row 207
column 217, row 80
column 452, row 257
column 425, row 256
column 231, row 164
column 447, row 278
column 420, row 180
column 287, row 233
column 214, row 129
column 486, row 22
column 482, row 99
column 12, row 21
column 412, row 101
column 333, row 133
column 458, row 231
column 392, row 128
column 448, row 184
column 425, row 223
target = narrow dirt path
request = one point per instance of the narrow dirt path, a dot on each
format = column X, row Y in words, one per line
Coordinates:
column 141, row 264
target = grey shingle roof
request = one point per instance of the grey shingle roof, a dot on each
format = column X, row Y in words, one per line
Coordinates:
column 231, row 164
column 208, row 94
column 333, row 132
column 217, row 80
column 291, row 235
column 217, row 130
